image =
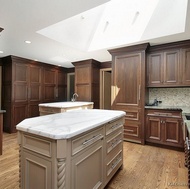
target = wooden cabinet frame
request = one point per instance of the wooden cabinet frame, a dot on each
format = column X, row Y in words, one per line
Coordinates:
column 128, row 88
column 169, row 65
column 165, row 130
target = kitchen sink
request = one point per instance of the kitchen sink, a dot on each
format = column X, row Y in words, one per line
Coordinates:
column 187, row 117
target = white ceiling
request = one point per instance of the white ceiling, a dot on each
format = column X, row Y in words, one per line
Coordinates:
column 64, row 31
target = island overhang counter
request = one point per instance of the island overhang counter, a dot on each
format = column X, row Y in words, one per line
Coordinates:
column 78, row 149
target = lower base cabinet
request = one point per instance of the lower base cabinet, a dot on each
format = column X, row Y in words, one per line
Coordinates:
column 87, row 168
column 86, row 161
column 164, row 127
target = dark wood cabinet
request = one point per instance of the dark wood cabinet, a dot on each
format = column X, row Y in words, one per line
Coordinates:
column 87, row 81
column 49, row 85
column 163, row 68
column 164, row 127
column 61, row 88
column 169, row 65
column 25, row 84
column 185, row 70
column 128, row 88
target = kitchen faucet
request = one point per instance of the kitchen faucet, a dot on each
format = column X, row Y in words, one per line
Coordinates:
column 75, row 95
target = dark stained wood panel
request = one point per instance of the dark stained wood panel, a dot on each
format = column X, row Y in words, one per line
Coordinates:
column 128, row 80
column 87, row 81
column 186, row 66
column 128, row 88
column 171, row 63
column 155, row 71
column 25, row 84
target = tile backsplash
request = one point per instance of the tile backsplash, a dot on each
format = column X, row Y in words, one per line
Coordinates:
column 170, row 96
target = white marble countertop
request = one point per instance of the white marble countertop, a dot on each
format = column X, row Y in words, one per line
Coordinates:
column 65, row 104
column 68, row 124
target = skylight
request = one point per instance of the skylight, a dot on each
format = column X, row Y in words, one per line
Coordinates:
column 119, row 23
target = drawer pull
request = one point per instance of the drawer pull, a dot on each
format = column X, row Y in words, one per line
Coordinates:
column 93, row 139
column 129, row 115
column 187, row 143
column 116, row 163
column 115, row 126
column 129, row 130
column 115, row 143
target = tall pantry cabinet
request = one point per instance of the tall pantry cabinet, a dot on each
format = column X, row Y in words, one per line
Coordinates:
column 25, row 84
column 87, row 81
column 128, row 88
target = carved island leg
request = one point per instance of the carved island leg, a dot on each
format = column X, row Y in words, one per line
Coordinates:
column 19, row 165
column 61, row 172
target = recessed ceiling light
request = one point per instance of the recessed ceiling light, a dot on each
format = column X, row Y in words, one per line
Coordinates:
column 1, row 52
column 28, row 42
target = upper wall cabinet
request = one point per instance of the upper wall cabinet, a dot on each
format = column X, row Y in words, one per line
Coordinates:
column 163, row 68
column 169, row 65
column 185, row 72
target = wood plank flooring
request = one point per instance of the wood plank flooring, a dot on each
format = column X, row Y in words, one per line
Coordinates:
column 145, row 167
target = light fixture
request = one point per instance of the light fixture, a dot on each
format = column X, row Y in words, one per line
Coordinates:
column 28, row 42
column 1, row 52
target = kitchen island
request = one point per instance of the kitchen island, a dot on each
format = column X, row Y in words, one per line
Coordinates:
column 58, row 107
column 71, row 150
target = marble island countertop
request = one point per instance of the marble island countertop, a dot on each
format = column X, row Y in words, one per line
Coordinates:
column 68, row 124
column 65, row 104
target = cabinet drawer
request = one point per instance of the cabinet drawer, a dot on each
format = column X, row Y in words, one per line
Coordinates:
column 132, row 115
column 40, row 146
column 112, row 126
column 81, row 143
column 114, row 164
column 164, row 113
column 49, row 109
column 114, row 140
column 131, row 130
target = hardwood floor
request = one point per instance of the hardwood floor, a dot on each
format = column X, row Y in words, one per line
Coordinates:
column 9, row 168
column 145, row 167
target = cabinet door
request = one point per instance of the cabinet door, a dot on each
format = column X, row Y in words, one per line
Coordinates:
column 185, row 67
column 35, row 82
column 61, row 86
column 171, row 67
column 155, row 69
column 126, row 81
column 82, row 166
column 126, row 93
column 20, row 82
column 83, row 84
column 36, row 164
column 172, row 132
column 49, row 92
column 34, row 90
column 19, row 113
column 153, row 129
